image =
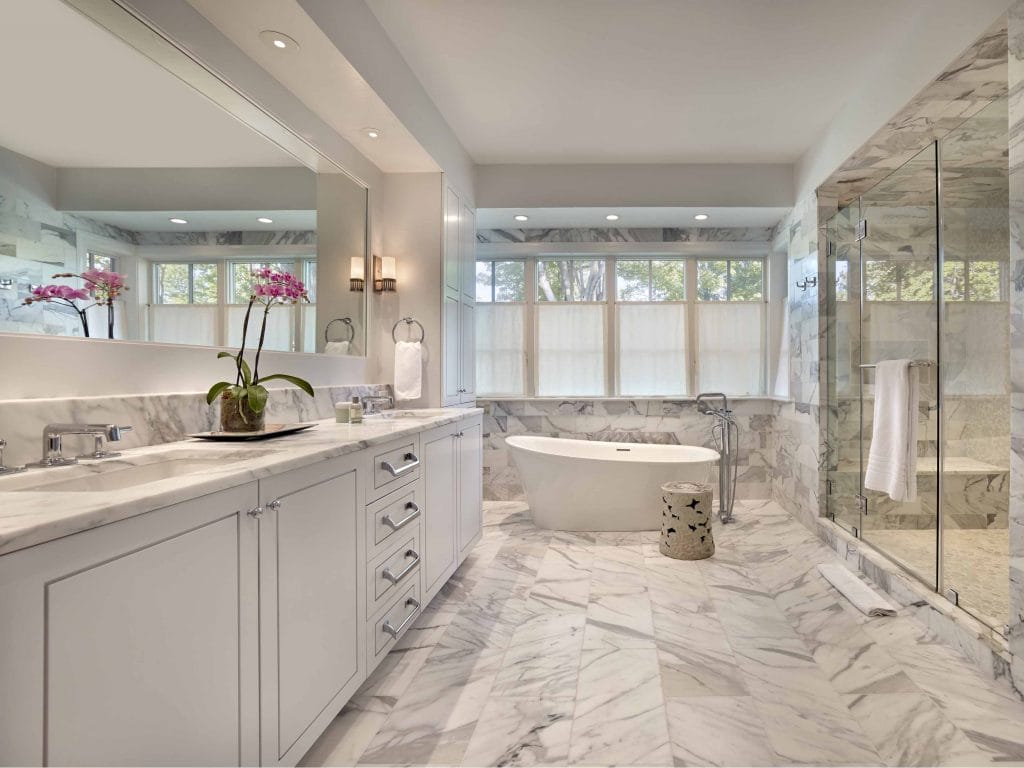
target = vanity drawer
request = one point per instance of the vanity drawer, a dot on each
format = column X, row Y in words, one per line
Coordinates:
column 395, row 465
column 392, row 573
column 390, row 517
column 389, row 628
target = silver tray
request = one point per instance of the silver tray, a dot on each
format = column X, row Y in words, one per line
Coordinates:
column 269, row 430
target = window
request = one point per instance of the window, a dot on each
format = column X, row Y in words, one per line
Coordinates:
column 102, row 261
column 501, row 327
column 650, row 328
column 184, row 283
column 730, row 326
column 842, row 280
column 730, row 280
column 551, row 325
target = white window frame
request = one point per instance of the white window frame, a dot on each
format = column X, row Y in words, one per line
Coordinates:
column 224, row 257
column 690, row 253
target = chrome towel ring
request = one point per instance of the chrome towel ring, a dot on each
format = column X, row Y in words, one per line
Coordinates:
column 348, row 323
column 408, row 321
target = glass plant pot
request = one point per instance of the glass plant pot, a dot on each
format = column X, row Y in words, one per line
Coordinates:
column 237, row 416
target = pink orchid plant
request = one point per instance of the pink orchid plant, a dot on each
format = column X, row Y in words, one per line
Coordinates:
column 102, row 286
column 247, row 393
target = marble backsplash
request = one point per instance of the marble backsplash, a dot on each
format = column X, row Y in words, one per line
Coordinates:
column 674, row 422
column 154, row 419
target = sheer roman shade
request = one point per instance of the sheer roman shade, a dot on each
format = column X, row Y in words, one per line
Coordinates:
column 651, row 341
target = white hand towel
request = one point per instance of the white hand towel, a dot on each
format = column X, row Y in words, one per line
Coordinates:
column 866, row 600
column 408, row 370
column 336, row 348
column 892, row 458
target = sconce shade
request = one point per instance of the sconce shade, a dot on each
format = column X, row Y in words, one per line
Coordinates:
column 357, row 274
column 385, row 274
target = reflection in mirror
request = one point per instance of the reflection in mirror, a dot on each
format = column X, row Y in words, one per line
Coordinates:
column 133, row 172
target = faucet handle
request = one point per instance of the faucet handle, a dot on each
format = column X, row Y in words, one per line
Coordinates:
column 114, row 432
column 5, row 470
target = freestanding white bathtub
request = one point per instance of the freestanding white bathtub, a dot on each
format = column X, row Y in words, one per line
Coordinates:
column 586, row 485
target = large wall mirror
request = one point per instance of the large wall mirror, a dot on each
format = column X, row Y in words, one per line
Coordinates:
column 110, row 162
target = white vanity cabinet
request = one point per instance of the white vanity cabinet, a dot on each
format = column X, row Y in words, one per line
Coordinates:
column 135, row 643
column 232, row 628
column 312, row 558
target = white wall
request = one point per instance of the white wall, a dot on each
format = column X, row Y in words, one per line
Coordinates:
column 554, row 186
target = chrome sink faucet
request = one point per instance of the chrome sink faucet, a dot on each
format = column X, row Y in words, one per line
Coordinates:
column 5, row 470
column 53, row 442
column 378, row 403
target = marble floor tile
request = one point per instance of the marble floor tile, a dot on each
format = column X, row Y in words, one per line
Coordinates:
column 620, row 715
column 532, row 731
column 556, row 648
column 717, row 730
column 895, row 721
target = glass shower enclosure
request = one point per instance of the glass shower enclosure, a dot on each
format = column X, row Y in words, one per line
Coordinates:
column 917, row 268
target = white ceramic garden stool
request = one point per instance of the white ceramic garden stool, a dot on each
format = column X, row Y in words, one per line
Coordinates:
column 686, row 521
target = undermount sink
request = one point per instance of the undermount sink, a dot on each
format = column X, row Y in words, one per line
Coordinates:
column 117, row 474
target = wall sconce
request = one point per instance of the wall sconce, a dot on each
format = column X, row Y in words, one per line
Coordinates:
column 385, row 274
column 357, row 276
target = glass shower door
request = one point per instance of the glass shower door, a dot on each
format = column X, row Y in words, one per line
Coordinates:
column 899, row 319
column 975, row 366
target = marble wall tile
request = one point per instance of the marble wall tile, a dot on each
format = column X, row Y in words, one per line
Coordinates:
column 155, row 419
column 626, row 235
column 670, row 422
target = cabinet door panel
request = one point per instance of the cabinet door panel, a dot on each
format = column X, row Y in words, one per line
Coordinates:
column 468, row 257
column 439, row 509
column 452, row 249
column 470, row 485
column 310, row 601
column 452, row 351
column 143, row 656
column 467, row 353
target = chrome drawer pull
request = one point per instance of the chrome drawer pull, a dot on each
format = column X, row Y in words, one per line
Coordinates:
column 396, row 471
column 405, row 520
column 394, row 578
column 396, row 631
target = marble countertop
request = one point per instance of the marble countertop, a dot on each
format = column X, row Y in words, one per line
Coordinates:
column 32, row 517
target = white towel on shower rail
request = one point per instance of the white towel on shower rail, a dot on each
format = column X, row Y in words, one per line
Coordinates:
column 408, row 370
column 892, row 458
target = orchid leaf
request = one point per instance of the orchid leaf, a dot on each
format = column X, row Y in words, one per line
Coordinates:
column 215, row 390
column 241, row 364
column 257, row 396
column 300, row 383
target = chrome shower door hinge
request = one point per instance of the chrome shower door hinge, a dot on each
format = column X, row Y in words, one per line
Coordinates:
column 953, row 596
column 863, row 502
column 862, row 229
column 828, row 487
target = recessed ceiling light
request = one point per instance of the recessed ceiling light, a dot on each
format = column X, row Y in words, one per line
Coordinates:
column 279, row 41
column 701, row 217
column 612, row 217
column 265, row 220
column 177, row 220
column 373, row 133
column 521, row 217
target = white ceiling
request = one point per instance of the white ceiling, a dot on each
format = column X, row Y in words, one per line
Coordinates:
column 205, row 221
column 629, row 218
column 537, row 81
column 320, row 77
column 76, row 96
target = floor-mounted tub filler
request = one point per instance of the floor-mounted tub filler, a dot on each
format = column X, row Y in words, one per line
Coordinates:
column 585, row 485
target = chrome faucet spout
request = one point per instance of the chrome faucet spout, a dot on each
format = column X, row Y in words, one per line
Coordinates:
column 53, row 442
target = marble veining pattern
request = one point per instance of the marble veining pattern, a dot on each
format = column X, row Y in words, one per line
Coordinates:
column 555, row 648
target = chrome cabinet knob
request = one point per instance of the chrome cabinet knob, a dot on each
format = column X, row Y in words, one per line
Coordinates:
column 274, row 505
column 256, row 512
